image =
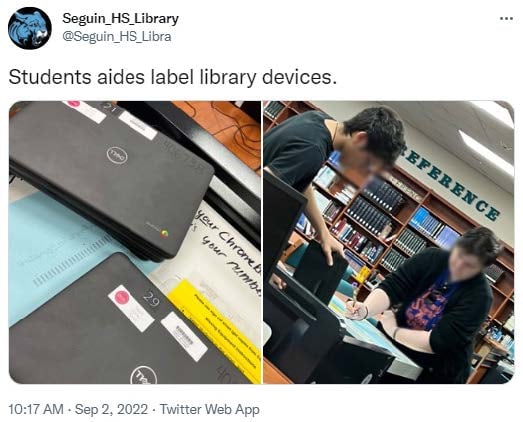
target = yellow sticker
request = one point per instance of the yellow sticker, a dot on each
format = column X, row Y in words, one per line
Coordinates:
column 218, row 329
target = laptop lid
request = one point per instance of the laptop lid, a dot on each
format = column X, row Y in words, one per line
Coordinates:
column 315, row 274
column 103, row 156
column 113, row 326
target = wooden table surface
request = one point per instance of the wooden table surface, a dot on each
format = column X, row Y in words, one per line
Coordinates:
column 272, row 375
column 230, row 125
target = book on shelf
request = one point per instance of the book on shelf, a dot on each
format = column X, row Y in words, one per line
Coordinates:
column 321, row 200
column 507, row 365
column 328, row 207
column 334, row 158
column 273, row 108
column 372, row 252
column 509, row 323
column 443, row 235
column 410, row 242
column 392, row 260
column 370, row 217
column 508, row 342
column 505, row 339
column 446, row 238
column 342, row 229
column 384, row 195
column 355, row 240
column 304, row 226
column 346, row 194
column 422, row 221
column 493, row 273
column 402, row 187
column 332, row 211
column 327, row 178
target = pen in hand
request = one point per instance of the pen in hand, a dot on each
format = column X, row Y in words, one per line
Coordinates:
column 355, row 292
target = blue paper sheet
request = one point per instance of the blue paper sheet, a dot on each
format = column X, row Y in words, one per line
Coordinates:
column 49, row 248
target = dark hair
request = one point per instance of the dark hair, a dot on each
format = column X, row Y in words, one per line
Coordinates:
column 384, row 130
column 480, row 242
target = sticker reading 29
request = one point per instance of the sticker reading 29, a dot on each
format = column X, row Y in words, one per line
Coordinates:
column 152, row 300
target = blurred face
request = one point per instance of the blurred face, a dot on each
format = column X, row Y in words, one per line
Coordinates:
column 354, row 155
column 462, row 265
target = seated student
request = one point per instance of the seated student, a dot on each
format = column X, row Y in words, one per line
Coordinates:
column 295, row 151
column 441, row 299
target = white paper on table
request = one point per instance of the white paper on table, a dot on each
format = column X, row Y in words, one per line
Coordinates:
column 210, row 253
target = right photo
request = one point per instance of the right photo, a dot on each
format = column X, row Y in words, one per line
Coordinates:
column 388, row 242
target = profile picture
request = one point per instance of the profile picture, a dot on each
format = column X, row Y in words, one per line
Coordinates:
column 29, row 28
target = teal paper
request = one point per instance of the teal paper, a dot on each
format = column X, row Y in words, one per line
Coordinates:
column 49, row 248
column 365, row 331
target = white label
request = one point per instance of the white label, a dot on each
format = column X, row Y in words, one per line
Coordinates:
column 131, row 308
column 88, row 111
column 185, row 336
column 138, row 125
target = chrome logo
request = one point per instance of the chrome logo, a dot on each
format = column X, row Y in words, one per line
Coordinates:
column 164, row 233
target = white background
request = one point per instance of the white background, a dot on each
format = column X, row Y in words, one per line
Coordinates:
column 391, row 49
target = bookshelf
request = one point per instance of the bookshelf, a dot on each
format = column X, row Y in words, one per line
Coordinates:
column 418, row 200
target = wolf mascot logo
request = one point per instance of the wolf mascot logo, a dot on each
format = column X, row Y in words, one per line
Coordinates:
column 29, row 29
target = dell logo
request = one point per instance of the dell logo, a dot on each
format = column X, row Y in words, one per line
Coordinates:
column 117, row 155
column 143, row 375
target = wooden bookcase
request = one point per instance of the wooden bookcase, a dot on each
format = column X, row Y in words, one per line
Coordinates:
column 503, row 290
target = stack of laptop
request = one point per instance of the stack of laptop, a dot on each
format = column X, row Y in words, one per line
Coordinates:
column 113, row 326
column 137, row 184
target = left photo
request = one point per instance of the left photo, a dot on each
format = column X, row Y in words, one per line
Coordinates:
column 134, row 242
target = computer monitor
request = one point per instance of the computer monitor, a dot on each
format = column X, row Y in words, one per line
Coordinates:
column 282, row 207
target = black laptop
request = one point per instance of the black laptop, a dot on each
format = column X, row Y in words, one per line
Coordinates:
column 316, row 275
column 101, row 161
column 113, row 326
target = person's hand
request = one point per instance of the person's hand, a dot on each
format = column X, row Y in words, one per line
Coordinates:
column 277, row 281
column 329, row 245
column 388, row 322
column 356, row 310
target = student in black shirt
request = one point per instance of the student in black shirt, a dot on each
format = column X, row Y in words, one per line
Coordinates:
column 441, row 299
column 295, row 151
